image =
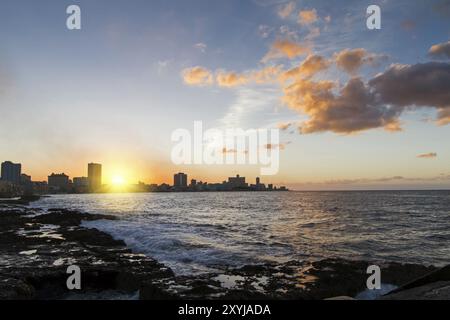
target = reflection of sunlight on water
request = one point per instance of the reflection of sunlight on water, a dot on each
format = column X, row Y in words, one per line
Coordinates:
column 200, row 231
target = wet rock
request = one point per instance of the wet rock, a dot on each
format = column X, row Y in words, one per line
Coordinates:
column 35, row 251
column 154, row 291
column 64, row 217
column 439, row 290
column 14, row 289
column 432, row 286
column 292, row 280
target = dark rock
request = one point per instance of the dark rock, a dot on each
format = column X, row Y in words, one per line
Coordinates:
column 35, row 250
column 14, row 289
column 439, row 290
column 153, row 291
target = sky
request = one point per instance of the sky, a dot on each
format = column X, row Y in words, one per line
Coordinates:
column 357, row 108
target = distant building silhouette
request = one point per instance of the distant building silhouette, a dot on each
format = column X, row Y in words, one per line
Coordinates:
column 81, row 185
column 58, row 182
column 11, row 172
column 180, row 180
column 25, row 179
column 237, row 182
column 94, row 176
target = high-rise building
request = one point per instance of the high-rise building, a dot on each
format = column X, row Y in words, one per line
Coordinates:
column 11, row 172
column 180, row 180
column 94, row 176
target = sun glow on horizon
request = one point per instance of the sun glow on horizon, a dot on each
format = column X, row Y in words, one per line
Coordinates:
column 118, row 180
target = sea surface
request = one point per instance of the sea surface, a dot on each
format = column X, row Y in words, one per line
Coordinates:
column 202, row 232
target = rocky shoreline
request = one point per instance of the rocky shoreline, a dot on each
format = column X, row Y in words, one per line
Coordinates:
column 36, row 248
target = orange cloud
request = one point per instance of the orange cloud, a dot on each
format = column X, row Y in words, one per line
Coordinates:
column 267, row 74
column 353, row 110
column 309, row 67
column 230, row 79
column 284, row 126
column 351, row 60
column 430, row 155
column 197, row 76
column 271, row 146
column 443, row 117
column 441, row 50
column 285, row 49
column 306, row 17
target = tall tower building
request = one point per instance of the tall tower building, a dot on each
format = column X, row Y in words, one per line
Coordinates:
column 94, row 177
column 11, row 172
column 180, row 180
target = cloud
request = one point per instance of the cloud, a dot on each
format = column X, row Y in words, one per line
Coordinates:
column 351, row 60
column 443, row 117
column 197, row 76
column 225, row 150
column 230, row 79
column 360, row 106
column 264, row 31
column 288, row 32
column 285, row 49
column 201, row 46
column 354, row 109
column 267, row 74
column 200, row 76
column 430, row 155
column 422, row 84
column 355, row 106
column 441, row 177
column 272, row 146
column 440, row 51
column 251, row 108
column 284, row 126
column 308, row 68
column 307, row 17
column 286, row 10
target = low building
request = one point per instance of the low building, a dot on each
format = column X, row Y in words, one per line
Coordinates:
column 81, row 185
column 237, row 182
column 9, row 189
column 40, row 187
column 58, row 183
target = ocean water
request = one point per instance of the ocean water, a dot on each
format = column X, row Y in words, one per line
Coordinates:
column 201, row 232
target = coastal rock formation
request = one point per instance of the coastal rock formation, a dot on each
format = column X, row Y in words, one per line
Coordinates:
column 36, row 248
column 432, row 286
column 293, row 280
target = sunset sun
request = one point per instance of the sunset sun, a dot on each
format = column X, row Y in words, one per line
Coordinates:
column 118, row 180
